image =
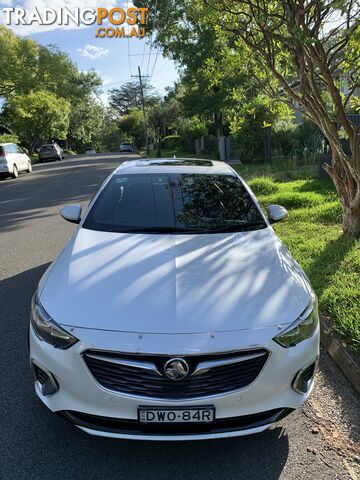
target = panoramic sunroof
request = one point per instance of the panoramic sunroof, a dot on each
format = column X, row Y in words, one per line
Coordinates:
column 177, row 163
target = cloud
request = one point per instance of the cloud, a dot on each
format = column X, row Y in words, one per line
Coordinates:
column 93, row 52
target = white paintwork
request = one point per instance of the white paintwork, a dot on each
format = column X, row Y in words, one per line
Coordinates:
column 14, row 156
column 276, row 212
column 174, row 295
column 175, row 283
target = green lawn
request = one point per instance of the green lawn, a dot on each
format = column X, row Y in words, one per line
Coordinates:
column 313, row 235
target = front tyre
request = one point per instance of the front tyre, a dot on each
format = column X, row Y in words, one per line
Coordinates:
column 29, row 169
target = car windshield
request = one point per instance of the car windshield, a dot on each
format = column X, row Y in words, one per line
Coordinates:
column 47, row 148
column 174, row 203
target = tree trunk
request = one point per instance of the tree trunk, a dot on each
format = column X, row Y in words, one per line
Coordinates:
column 218, row 122
column 351, row 221
column 158, row 152
column 347, row 183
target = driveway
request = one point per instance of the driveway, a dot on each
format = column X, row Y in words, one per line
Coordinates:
column 316, row 442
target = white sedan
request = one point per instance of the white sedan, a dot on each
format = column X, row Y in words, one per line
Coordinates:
column 174, row 312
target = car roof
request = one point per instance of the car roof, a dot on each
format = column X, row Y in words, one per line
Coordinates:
column 7, row 143
column 178, row 165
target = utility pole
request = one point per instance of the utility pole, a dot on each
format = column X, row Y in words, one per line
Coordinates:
column 140, row 77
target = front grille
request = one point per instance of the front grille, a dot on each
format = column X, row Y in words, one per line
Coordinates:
column 143, row 375
column 133, row 427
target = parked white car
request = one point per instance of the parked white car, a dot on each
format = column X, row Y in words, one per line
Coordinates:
column 13, row 160
column 174, row 312
column 126, row 147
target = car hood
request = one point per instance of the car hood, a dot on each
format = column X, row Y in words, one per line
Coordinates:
column 169, row 284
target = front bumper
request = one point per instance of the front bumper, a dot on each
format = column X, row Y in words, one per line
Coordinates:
column 99, row 411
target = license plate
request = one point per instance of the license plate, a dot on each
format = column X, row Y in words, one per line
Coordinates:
column 204, row 414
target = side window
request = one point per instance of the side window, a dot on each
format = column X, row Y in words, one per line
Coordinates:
column 10, row 148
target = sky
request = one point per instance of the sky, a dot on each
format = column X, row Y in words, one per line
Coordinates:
column 114, row 59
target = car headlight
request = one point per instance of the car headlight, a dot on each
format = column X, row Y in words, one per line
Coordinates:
column 47, row 329
column 303, row 328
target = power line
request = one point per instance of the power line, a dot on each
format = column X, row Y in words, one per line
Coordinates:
column 161, row 68
column 140, row 54
column 128, row 44
column 156, row 59
column 140, row 77
column 151, row 44
column 143, row 54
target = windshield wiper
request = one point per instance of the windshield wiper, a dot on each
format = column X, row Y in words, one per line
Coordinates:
column 238, row 227
column 199, row 230
column 153, row 230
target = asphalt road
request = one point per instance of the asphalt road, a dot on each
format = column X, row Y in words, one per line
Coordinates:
column 317, row 441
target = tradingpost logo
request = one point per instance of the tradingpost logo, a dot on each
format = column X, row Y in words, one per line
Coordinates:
column 112, row 23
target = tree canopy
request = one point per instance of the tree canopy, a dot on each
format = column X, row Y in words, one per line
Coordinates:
column 292, row 54
column 34, row 73
column 128, row 96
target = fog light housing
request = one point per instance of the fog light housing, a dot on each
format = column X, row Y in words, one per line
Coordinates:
column 303, row 379
column 44, row 380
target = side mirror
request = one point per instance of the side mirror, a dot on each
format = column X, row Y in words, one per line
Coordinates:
column 276, row 213
column 71, row 213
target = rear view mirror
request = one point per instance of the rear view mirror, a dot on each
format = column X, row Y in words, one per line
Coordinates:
column 276, row 213
column 71, row 213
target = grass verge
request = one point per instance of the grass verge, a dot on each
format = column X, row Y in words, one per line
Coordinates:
column 313, row 235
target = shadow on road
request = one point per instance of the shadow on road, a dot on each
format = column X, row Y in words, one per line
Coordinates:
column 59, row 450
column 29, row 196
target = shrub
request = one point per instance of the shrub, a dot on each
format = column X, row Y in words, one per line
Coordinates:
column 190, row 130
column 210, row 144
column 69, row 152
column 263, row 186
column 171, row 142
column 291, row 199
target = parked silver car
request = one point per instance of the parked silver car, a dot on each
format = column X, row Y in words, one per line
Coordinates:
column 13, row 159
column 126, row 147
column 51, row 151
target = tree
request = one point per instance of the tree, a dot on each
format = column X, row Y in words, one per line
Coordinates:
column 128, row 96
column 216, row 84
column 132, row 126
column 85, row 124
column 18, row 55
column 300, row 51
column 161, row 117
column 38, row 117
column 31, row 67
